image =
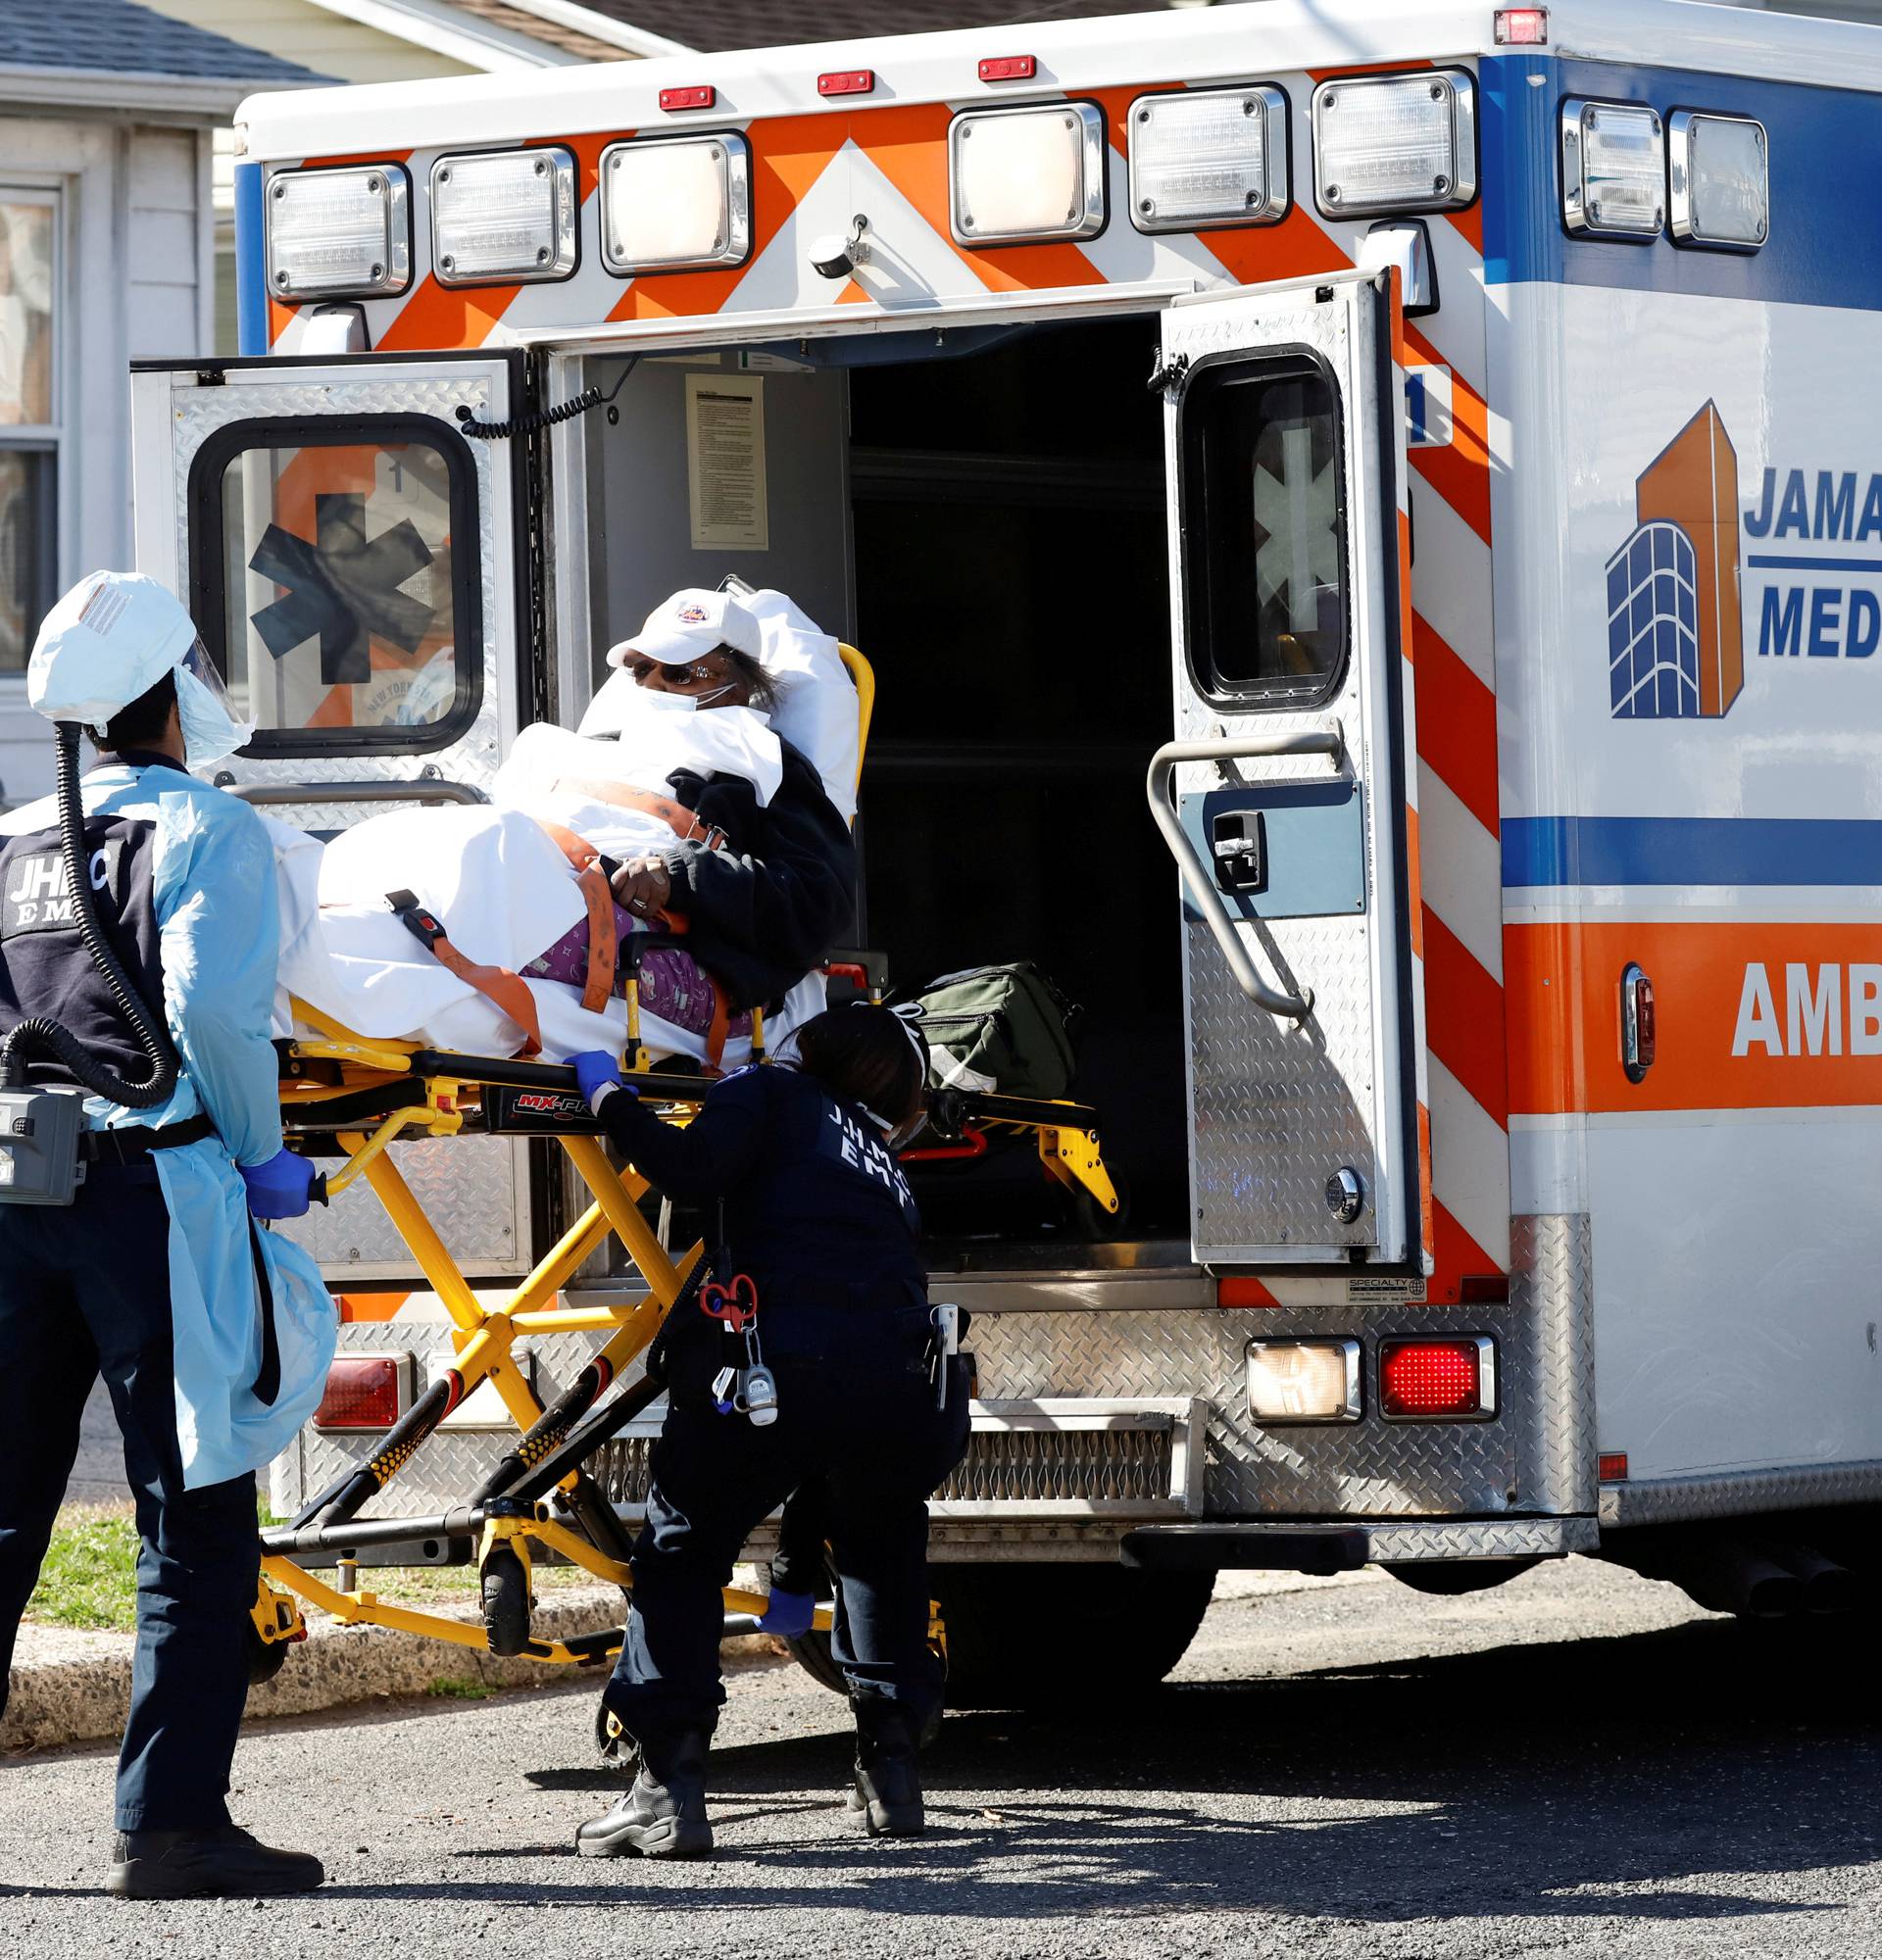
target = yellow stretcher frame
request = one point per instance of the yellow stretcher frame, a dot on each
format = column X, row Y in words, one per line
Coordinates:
column 332, row 1062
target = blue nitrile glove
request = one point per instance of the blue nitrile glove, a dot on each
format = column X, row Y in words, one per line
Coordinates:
column 596, row 1069
column 788, row 1614
column 280, row 1188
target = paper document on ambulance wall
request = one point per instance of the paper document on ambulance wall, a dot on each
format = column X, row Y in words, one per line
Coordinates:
column 725, row 463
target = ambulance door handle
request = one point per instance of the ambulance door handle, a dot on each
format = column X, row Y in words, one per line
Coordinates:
column 1197, row 878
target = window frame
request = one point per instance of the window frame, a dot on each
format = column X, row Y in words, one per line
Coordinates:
column 1268, row 697
column 46, row 438
column 208, row 585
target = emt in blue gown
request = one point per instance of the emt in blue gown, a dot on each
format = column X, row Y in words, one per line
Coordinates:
column 213, row 1337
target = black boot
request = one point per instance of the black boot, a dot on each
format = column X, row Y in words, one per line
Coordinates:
column 888, row 1787
column 663, row 1815
column 219, row 1862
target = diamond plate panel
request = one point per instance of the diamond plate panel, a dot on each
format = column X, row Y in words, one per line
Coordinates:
column 1512, row 1537
column 1549, row 1372
column 1369, row 1468
column 452, row 1462
column 1276, row 1109
column 1738, row 1492
column 474, row 1189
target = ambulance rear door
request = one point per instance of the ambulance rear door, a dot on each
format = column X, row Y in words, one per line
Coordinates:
column 1285, row 795
column 359, row 561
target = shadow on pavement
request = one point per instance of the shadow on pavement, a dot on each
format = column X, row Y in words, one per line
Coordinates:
column 1592, row 1778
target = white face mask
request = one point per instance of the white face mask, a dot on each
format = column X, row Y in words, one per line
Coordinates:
column 660, row 702
column 209, row 731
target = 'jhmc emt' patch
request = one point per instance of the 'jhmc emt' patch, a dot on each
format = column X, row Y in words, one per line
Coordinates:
column 33, row 897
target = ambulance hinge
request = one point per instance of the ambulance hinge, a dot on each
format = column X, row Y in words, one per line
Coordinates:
column 1167, row 375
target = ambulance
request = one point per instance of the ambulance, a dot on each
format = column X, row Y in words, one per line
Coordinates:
column 1366, row 519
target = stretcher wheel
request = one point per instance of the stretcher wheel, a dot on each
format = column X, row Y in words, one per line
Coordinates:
column 266, row 1658
column 506, row 1601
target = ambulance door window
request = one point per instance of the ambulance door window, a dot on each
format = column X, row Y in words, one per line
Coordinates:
column 1264, row 532
column 336, row 578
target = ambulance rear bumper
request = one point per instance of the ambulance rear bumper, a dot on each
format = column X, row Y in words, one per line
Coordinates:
column 1335, row 1544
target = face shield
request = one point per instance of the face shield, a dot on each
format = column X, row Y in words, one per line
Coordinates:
column 211, row 726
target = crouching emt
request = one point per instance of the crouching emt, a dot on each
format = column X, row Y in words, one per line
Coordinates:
column 797, row 1162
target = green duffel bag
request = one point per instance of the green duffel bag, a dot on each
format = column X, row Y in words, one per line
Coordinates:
column 1001, row 1028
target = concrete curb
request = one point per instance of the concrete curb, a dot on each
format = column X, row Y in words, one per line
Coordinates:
column 82, row 1697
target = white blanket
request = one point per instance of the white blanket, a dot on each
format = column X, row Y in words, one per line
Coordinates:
column 501, row 884
column 505, row 891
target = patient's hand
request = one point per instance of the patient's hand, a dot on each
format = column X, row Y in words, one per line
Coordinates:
column 642, row 886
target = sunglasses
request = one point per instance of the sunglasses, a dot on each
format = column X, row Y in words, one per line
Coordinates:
column 701, row 674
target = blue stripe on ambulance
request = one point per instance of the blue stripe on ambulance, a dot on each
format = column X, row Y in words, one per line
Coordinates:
column 1543, row 851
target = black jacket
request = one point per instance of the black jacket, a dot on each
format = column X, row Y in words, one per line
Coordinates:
column 777, row 894
column 815, row 1208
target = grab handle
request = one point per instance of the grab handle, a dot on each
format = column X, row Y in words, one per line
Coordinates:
column 416, row 789
column 1158, row 787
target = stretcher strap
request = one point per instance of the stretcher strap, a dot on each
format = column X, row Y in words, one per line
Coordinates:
column 604, row 938
column 685, row 824
column 505, row 990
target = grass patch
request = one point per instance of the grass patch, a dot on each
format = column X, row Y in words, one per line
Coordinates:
column 448, row 1688
column 89, row 1578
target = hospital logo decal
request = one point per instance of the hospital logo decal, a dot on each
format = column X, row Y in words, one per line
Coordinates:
column 1676, row 640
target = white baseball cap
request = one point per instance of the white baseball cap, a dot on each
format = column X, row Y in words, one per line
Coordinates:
column 688, row 626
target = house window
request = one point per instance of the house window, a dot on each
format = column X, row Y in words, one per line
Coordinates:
column 29, row 421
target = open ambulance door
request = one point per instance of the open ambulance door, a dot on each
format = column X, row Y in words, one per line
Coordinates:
column 360, row 568
column 1285, row 797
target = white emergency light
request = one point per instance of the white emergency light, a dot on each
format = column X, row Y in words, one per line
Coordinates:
column 1304, row 1381
column 675, row 203
column 1202, row 157
column 1613, row 169
column 1395, row 142
column 506, row 215
column 1020, row 175
column 1719, row 167
column 340, row 233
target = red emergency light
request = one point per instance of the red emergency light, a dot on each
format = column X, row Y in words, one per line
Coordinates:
column 702, row 97
column 1009, row 68
column 1437, row 1381
column 361, row 1392
column 1611, row 1466
column 847, row 82
column 1522, row 26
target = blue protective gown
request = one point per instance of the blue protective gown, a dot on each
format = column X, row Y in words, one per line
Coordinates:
column 212, row 893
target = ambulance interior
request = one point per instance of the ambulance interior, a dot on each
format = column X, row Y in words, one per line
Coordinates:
column 981, row 511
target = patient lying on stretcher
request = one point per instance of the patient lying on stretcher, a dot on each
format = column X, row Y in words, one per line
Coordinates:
column 708, row 792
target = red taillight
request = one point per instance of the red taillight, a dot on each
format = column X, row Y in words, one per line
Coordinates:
column 361, row 1392
column 702, row 97
column 1522, row 26
column 1611, row 1466
column 847, row 82
column 1436, row 1380
column 1007, row 68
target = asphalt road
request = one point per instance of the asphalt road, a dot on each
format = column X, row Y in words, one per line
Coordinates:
column 1578, row 1762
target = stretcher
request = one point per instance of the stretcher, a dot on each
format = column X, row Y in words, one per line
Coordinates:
column 350, row 1098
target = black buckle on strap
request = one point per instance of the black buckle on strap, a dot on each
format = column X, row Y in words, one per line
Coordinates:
column 424, row 926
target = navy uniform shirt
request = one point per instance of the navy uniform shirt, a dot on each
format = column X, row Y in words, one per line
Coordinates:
column 817, row 1209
